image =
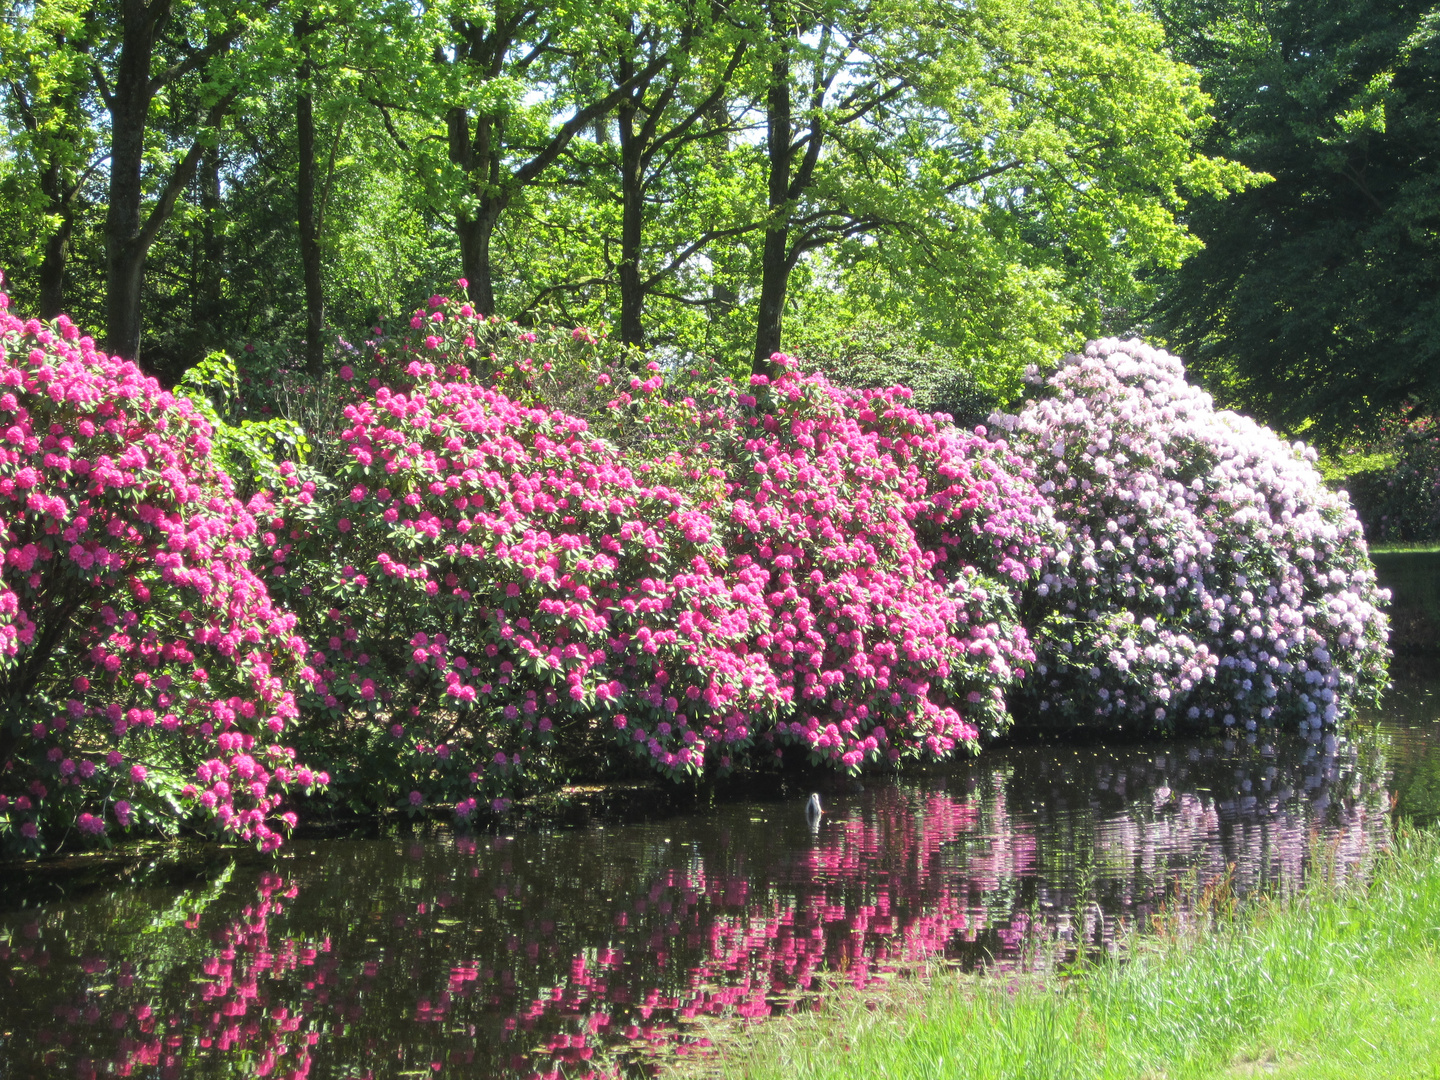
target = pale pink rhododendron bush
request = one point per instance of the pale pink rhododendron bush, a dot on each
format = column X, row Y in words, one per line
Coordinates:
column 1208, row 578
column 493, row 590
column 146, row 677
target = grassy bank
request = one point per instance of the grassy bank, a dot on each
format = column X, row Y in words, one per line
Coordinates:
column 1422, row 547
column 1340, row 983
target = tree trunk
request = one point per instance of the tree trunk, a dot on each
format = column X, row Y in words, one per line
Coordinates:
column 775, row 263
column 209, row 297
column 52, row 267
column 124, row 278
column 774, row 283
column 129, row 114
column 475, row 231
column 475, row 228
column 309, row 226
column 632, row 195
column 129, row 232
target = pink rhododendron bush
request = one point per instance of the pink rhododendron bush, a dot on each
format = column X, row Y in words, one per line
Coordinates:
column 146, row 678
column 515, row 559
column 497, row 595
column 890, row 550
column 1208, row 577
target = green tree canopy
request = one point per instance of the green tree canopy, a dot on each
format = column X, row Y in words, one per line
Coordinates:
column 1313, row 302
column 978, row 183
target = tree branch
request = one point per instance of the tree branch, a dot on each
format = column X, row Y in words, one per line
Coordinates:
column 704, row 107
column 389, row 124
column 102, row 84
column 183, row 174
column 564, row 286
column 705, row 239
column 583, row 119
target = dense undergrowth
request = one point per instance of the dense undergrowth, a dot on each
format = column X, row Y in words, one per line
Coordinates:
column 504, row 559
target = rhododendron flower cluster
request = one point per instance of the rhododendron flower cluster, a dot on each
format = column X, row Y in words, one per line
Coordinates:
column 146, row 676
column 483, row 590
column 889, row 547
column 1208, row 577
column 490, row 587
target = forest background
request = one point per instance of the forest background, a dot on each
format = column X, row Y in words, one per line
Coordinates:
column 935, row 192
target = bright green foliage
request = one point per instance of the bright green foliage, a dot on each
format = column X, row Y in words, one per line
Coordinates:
column 248, row 450
column 50, row 148
column 993, row 179
column 1046, row 152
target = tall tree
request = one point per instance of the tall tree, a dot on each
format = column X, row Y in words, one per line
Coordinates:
column 1002, row 146
column 147, row 49
column 657, row 121
column 497, row 144
column 812, row 50
column 48, row 105
column 1314, row 303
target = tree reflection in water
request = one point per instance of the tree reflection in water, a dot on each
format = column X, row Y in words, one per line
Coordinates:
column 591, row 952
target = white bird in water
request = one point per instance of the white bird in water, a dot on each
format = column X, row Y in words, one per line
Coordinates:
column 813, row 810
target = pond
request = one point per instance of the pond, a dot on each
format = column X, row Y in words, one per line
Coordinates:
column 595, row 949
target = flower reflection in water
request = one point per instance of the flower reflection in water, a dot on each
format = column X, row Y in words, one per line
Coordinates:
column 591, row 952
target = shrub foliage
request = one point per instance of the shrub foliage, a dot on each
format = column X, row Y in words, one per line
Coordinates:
column 493, row 588
column 146, row 678
column 1207, row 575
column 512, row 556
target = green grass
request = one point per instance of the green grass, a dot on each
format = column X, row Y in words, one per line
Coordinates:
column 1423, row 547
column 1341, row 983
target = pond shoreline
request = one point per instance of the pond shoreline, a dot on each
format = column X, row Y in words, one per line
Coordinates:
column 1291, row 987
column 583, row 805
column 535, row 946
column 1413, row 578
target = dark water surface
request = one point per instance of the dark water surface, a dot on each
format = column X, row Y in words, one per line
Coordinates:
column 594, row 950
